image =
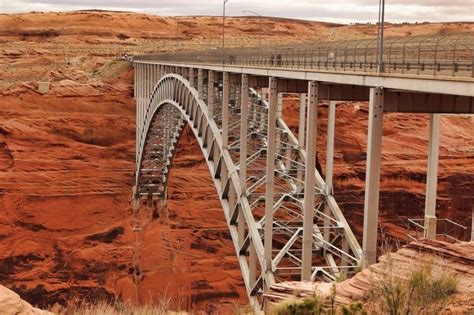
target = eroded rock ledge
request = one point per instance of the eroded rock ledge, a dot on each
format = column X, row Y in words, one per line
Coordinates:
column 457, row 259
column 11, row 303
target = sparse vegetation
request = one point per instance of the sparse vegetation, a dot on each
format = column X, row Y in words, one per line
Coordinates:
column 309, row 306
column 117, row 308
column 427, row 290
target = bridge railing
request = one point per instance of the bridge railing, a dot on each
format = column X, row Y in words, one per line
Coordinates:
column 447, row 230
column 442, row 55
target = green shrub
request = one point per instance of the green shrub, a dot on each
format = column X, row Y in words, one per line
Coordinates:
column 308, row 306
column 427, row 290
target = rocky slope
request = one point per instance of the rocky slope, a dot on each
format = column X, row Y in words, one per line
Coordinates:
column 455, row 259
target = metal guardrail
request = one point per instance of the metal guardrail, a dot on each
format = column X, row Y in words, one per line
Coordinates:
column 443, row 55
column 446, row 230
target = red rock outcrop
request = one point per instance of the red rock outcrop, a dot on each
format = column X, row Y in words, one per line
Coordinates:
column 456, row 259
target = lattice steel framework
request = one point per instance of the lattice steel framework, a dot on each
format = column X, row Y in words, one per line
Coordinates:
column 260, row 181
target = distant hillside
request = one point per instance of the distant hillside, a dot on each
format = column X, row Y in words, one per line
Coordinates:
column 95, row 26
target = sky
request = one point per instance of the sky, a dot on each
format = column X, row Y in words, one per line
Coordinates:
column 320, row 10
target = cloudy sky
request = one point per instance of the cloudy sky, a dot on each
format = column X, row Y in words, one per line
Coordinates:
column 323, row 10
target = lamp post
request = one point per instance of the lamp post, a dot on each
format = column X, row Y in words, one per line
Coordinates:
column 380, row 36
column 223, row 30
column 260, row 32
column 177, row 34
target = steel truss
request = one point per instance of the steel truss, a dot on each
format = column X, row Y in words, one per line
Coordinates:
column 258, row 167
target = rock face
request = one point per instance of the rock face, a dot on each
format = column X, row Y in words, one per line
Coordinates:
column 11, row 303
column 457, row 259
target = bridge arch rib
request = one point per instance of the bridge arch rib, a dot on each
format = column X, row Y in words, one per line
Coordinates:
column 174, row 102
column 178, row 101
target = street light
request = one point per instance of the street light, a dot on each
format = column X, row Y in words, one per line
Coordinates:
column 177, row 34
column 380, row 35
column 260, row 32
column 223, row 31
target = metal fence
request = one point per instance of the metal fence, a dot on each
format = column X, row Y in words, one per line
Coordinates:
column 446, row 230
column 443, row 55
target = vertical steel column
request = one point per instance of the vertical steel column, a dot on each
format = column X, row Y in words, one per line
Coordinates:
column 279, row 115
column 191, row 77
column 432, row 177
column 280, row 105
column 210, row 92
column 156, row 76
column 252, row 265
column 329, row 163
column 301, row 139
column 310, row 181
column 244, row 119
column 141, row 93
column 270, row 183
column 372, row 177
column 200, row 85
column 149, row 69
column 330, row 146
column 137, row 106
column 225, row 109
column 244, row 110
column 302, row 120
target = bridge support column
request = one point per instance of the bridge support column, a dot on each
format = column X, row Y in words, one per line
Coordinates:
column 244, row 120
column 200, row 84
column 146, row 80
column 137, row 108
column 191, row 77
column 302, row 120
column 331, row 126
column 301, row 139
column 252, row 265
column 372, row 177
column 310, row 181
column 279, row 145
column 141, row 93
column 432, row 177
column 210, row 92
column 225, row 109
column 270, row 183
column 153, row 79
column 244, row 110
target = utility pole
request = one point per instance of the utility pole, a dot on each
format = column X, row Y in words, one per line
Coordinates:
column 380, row 36
column 177, row 34
column 260, row 32
column 223, row 31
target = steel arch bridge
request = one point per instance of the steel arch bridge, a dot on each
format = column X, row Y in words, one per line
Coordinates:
column 240, row 163
column 282, row 215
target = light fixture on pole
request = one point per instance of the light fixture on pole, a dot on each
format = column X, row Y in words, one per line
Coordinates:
column 380, row 36
column 223, row 30
column 260, row 32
